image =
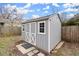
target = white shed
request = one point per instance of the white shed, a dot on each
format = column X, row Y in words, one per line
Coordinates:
column 43, row 32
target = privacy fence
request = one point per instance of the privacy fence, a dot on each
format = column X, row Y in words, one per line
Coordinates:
column 70, row 33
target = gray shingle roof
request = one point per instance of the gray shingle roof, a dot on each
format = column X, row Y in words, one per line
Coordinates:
column 40, row 18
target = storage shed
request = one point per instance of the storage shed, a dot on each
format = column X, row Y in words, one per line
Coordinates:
column 43, row 32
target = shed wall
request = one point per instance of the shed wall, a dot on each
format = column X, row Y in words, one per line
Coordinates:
column 55, row 31
column 42, row 39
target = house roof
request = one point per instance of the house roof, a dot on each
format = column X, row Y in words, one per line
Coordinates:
column 41, row 19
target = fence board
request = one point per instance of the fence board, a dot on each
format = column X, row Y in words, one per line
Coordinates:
column 70, row 33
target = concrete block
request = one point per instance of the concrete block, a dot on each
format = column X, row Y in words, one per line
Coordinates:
column 40, row 54
column 35, row 51
column 30, row 53
column 23, row 50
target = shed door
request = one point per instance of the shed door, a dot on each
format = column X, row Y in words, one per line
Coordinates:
column 27, row 32
column 33, row 33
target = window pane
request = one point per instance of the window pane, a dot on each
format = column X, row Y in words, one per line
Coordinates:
column 41, row 24
column 42, row 30
column 42, row 27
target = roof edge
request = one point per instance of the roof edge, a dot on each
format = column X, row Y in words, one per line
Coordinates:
column 59, row 18
column 41, row 18
column 47, row 16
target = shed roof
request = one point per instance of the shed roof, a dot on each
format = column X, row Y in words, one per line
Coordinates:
column 41, row 18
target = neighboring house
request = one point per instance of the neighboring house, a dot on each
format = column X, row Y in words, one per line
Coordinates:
column 43, row 32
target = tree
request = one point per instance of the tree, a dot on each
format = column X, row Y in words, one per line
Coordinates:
column 10, row 14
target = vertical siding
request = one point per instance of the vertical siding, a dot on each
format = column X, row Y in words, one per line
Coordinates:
column 42, row 39
column 55, row 31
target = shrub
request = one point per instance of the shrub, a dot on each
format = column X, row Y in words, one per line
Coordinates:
column 71, row 22
column 10, row 31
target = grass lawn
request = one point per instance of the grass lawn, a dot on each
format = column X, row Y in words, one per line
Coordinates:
column 6, row 44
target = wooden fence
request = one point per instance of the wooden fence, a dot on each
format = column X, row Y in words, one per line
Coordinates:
column 70, row 33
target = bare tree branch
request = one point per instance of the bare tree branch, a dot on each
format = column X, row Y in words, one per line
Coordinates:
column 10, row 15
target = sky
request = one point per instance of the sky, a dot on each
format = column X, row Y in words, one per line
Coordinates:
column 35, row 10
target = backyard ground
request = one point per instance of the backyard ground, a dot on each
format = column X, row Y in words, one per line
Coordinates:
column 7, row 47
column 7, row 44
column 68, row 49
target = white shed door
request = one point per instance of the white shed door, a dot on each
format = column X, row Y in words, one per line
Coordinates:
column 27, row 32
column 31, row 33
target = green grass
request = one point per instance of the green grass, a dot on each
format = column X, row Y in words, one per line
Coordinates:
column 6, row 43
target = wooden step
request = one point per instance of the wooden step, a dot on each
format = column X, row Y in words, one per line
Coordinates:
column 59, row 45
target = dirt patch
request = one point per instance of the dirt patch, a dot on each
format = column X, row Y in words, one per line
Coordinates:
column 68, row 49
column 15, row 52
column 13, row 49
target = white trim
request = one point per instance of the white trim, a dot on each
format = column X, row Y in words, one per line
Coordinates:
column 30, row 32
column 48, row 35
column 44, row 27
column 35, row 33
column 22, row 32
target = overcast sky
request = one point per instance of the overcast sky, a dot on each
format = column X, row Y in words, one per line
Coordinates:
column 31, row 10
